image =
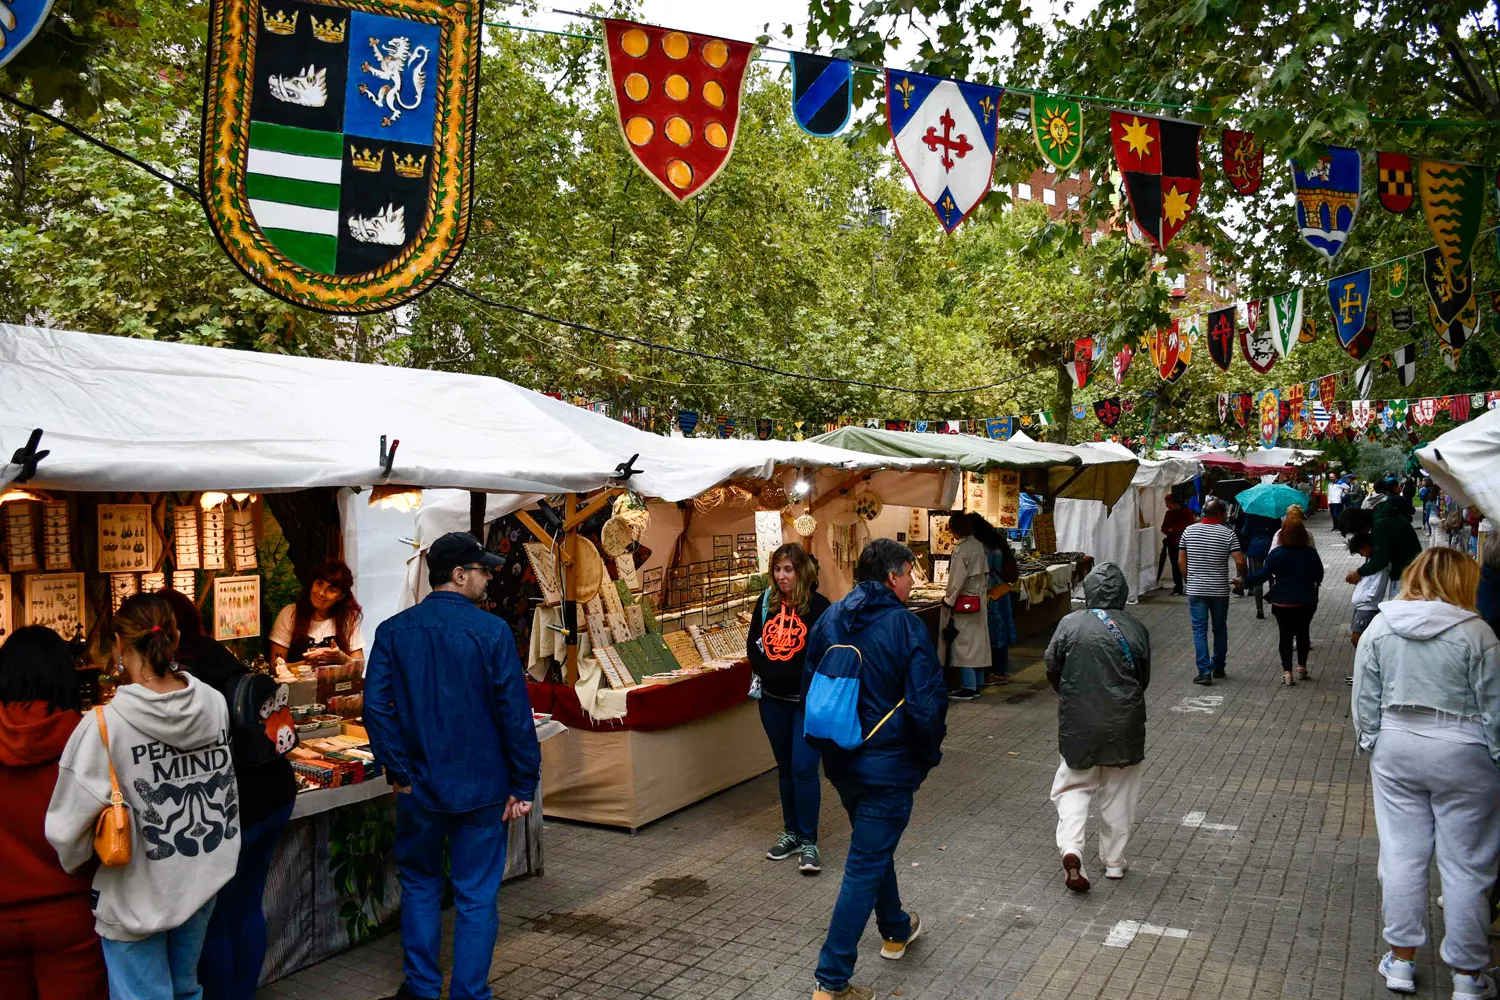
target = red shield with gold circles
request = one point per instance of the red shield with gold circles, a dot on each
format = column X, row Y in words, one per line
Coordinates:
column 678, row 97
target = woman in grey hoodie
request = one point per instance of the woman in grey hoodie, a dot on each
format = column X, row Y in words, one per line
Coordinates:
column 168, row 740
column 1427, row 703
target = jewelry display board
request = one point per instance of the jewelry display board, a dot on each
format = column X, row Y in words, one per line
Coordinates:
column 185, row 582
column 651, row 580
column 917, row 529
column 121, row 586
column 7, row 603
column 544, row 567
column 185, row 537
column 124, row 537
column 625, row 569
column 236, row 607
column 20, row 538
column 942, row 539
column 57, row 537
column 1008, row 499
column 711, row 583
column 213, row 539
column 56, row 601
column 767, row 537
column 242, row 539
column 152, row 582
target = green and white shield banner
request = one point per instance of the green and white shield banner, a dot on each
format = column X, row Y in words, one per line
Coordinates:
column 1286, row 321
column 337, row 144
column 1058, row 127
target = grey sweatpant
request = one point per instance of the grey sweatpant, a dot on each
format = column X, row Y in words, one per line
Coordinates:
column 1432, row 794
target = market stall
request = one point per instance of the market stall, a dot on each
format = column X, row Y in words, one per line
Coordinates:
column 658, row 710
column 1465, row 463
column 105, row 496
column 997, row 473
column 1129, row 534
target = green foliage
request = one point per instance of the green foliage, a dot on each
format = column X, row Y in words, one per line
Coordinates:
column 1296, row 73
column 361, row 839
column 1376, row 461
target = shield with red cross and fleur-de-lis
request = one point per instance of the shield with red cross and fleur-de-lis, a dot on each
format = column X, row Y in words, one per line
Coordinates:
column 945, row 134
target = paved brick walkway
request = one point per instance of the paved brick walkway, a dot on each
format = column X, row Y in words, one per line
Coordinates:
column 1253, row 867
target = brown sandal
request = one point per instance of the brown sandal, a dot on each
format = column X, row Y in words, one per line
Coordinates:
column 1073, row 870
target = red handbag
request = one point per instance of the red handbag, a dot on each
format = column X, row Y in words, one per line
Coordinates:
column 967, row 604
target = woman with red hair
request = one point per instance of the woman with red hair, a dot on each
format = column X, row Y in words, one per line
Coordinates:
column 322, row 627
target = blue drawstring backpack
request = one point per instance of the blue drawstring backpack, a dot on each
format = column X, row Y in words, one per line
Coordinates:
column 832, row 708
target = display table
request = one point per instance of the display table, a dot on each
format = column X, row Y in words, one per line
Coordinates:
column 678, row 744
column 303, row 903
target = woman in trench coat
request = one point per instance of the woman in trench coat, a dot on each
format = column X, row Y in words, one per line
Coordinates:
column 968, row 577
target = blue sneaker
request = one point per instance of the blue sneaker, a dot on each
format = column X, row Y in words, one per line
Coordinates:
column 786, row 845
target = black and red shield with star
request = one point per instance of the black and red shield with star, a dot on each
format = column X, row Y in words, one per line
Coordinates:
column 1159, row 160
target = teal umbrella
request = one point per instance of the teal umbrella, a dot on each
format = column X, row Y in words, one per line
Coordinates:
column 1271, row 499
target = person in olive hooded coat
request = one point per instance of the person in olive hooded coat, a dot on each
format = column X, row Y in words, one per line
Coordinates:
column 1099, row 663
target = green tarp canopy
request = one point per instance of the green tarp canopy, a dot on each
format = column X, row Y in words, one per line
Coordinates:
column 1072, row 473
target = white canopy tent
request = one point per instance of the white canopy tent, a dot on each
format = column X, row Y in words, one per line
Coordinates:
column 119, row 413
column 1130, row 534
column 1465, row 462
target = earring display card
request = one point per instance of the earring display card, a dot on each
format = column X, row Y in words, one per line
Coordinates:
column 236, row 607
column 121, row 586
column 213, row 539
column 124, row 537
column 7, row 602
column 185, row 537
column 152, row 582
column 56, row 601
column 940, row 572
column 20, row 538
column 57, row 537
column 242, row 535
column 185, row 582
column 651, row 581
column 723, row 545
column 917, row 527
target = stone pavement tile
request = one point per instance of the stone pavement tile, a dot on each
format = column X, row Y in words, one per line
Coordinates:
column 1253, row 862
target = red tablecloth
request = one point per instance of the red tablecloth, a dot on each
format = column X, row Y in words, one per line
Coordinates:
column 652, row 706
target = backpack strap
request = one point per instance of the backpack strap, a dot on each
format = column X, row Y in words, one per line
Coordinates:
column 1114, row 630
column 886, row 719
column 860, row 656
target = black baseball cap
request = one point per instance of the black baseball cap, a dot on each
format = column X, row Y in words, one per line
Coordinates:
column 459, row 548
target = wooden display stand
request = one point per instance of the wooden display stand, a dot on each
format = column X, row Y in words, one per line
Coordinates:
column 627, row 777
column 1035, row 618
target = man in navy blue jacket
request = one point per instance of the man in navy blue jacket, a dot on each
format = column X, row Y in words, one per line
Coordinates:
column 448, row 715
column 903, row 705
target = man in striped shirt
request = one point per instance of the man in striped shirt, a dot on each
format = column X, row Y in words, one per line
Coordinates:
column 1206, row 548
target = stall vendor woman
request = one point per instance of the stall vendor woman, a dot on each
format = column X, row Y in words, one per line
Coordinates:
column 322, row 627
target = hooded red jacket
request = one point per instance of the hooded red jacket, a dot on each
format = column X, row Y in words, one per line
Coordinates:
column 31, row 741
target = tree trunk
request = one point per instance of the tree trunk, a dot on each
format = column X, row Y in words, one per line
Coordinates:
column 1062, row 412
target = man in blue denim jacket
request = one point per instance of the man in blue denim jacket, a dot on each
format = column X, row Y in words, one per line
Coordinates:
column 448, row 715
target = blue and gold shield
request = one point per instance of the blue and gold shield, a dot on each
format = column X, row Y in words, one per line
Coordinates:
column 1349, row 298
column 337, row 142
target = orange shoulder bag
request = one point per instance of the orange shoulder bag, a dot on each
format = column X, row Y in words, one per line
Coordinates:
column 112, row 828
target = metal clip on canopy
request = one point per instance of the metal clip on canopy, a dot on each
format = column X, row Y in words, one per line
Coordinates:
column 27, row 457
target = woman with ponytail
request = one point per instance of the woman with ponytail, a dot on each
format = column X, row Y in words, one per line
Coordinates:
column 164, row 737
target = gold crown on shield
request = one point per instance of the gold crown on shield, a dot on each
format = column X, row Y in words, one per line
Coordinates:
column 329, row 30
column 368, row 160
column 410, row 166
column 280, row 24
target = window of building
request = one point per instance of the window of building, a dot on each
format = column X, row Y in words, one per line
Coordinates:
column 1073, row 202
column 1049, row 196
column 1023, row 192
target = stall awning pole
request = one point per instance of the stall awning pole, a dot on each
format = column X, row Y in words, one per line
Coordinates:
column 570, row 590
column 476, row 515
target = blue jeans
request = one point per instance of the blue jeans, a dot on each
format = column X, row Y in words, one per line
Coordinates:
column 796, row 767
column 877, row 817
column 162, row 967
column 1202, row 608
column 972, row 678
column 235, row 947
column 476, row 852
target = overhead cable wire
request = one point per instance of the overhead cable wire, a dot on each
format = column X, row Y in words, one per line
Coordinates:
column 547, row 317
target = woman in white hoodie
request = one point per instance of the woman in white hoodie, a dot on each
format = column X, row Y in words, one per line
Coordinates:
column 168, row 739
column 1427, row 703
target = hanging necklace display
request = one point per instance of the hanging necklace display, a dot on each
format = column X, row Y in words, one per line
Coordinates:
column 57, row 537
column 152, row 582
column 213, row 539
column 20, row 538
column 185, row 537
column 185, row 582
column 7, row 601
column 842, row 538
column 121, row 586
column 242, row 532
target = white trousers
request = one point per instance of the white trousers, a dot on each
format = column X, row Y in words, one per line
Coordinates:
column 1118, row 790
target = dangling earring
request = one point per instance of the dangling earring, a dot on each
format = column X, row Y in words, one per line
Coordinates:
column 119, row 666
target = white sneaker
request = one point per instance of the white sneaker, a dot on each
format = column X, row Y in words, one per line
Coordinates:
column 1116, row 872
column 1400, row 975
column 1467, row 987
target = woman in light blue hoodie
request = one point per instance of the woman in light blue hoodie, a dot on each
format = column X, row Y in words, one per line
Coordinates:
column 1427, row 704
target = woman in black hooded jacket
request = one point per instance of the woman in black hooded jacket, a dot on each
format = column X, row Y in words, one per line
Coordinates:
column 780, row 625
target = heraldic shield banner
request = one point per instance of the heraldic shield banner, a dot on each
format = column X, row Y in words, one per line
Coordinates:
column 337, row 144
